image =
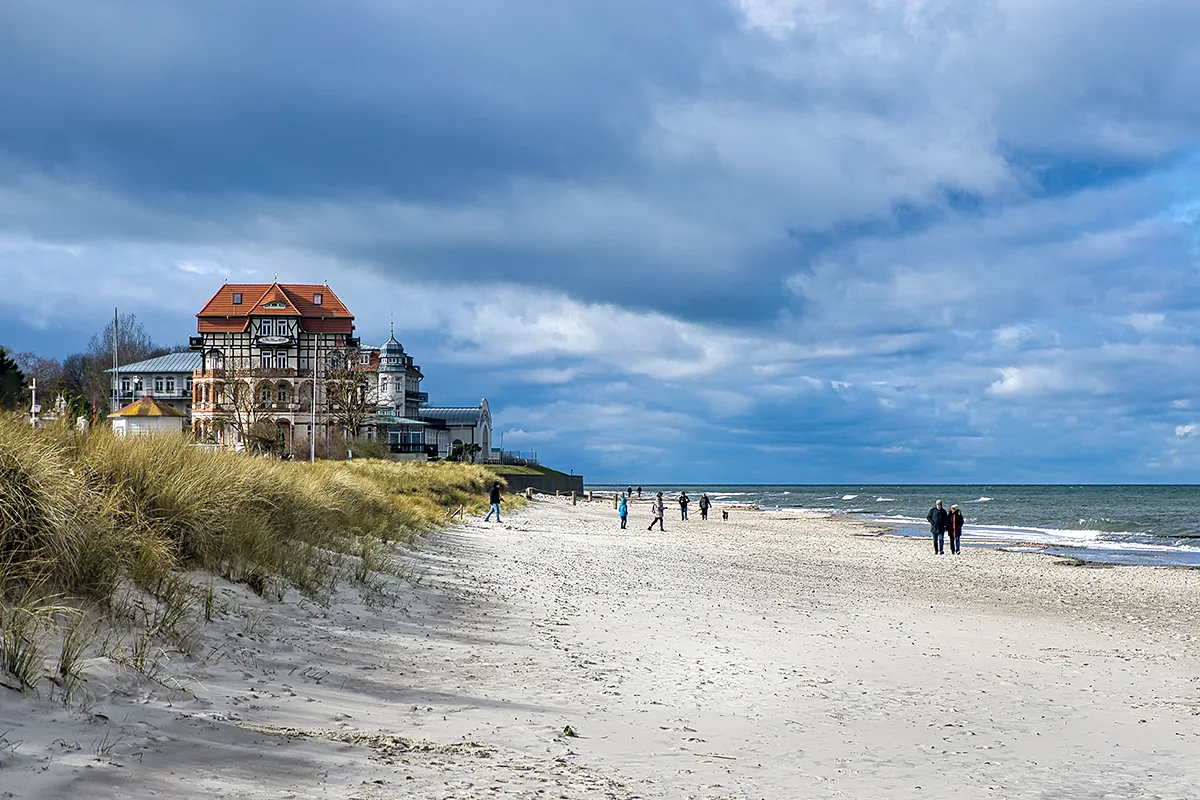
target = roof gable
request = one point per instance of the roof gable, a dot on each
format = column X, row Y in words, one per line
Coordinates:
column 147, row 406
column 283, row 299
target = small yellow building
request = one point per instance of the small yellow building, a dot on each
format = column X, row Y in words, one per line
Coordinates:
column 147, row 416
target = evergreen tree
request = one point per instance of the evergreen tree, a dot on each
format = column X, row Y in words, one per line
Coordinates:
column 12, row 382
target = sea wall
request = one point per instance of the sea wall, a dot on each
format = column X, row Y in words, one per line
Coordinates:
column 545, row 483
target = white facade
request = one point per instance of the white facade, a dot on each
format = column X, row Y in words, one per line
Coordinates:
column 142, row 426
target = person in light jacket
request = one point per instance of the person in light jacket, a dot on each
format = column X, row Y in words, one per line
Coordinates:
column 656, row 509
column 623, row 511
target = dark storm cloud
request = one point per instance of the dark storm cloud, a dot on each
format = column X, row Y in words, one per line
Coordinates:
column 401, row 99
column 824, row 237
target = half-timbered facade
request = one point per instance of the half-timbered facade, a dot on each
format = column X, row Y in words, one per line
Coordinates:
column 264, row 354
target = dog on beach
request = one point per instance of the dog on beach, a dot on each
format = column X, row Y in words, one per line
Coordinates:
column 725, row 515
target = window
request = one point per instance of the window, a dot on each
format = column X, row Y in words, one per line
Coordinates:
column 264, row 395
column 158, row 384
column 266, row 327
column 126, row 385
column 364, row 359
column 237, row 298
column 383, row 383
column 266, row 359
column 189, row 385
column 285, row 396
column 281, row 359
column 170, row 384
column 317, row 299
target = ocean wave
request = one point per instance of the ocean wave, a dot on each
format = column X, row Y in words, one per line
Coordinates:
column 1103, row 525
column 885, row 500
column 849, row 496
column 982, row 500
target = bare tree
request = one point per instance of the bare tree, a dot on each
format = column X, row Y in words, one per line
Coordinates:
column 74, row 372
column 133, row 344
column 245, row 398
column 349, row 390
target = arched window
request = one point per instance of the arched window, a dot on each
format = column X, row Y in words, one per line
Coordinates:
column 285, row 393
column 383, row 384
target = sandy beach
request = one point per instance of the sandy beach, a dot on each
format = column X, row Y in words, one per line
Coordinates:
column 775, row 655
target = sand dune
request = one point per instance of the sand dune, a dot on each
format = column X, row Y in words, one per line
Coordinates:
column 776, row 655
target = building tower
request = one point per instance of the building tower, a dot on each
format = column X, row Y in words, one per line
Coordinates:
column 392, row 366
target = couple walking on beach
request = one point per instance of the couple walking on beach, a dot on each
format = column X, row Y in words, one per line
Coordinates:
column 942, row 522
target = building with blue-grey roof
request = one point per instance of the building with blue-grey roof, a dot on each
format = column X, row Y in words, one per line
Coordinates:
column 167, row 379
column 449, row 427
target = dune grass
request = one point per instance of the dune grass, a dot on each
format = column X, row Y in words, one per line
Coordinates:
column 85, row 517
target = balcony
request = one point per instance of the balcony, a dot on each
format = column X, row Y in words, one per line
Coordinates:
column 179, row 394
column 420, row 397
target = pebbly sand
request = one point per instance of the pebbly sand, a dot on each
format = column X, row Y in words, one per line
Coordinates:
column 771, row 656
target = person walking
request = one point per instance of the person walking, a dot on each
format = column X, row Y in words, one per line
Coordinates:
column 683, row 504
column 639, row 493
column 494, row 499
column 939, row 522
column 623, row 511
column 629, row 491
column 955, row 530
column 705, row 504
column 656, row 509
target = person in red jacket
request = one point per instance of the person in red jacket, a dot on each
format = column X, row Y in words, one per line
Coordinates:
column 955, row 531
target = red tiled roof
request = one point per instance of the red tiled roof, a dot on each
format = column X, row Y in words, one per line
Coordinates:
column 372, row 366
column 296, row 297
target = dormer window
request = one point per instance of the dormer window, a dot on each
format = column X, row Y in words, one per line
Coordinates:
column 237, row 298
column 317, row 298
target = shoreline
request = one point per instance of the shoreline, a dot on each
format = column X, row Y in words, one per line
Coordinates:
column 1097, row 551
column 777, row 654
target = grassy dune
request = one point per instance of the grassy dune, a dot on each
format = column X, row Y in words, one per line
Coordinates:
column 86, row 518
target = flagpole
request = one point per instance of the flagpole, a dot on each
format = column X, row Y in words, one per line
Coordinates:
column 116, row 363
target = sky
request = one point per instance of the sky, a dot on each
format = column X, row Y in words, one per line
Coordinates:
column 694, row 241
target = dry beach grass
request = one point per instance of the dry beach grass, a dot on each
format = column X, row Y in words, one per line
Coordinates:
column 96, row 530
column 776, row 655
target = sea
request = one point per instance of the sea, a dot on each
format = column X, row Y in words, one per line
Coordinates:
column 1119, row 525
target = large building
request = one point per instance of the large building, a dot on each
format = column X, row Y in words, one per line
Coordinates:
column 266, row 354
column 450, row 427
column 396, row 381
column 168, row 379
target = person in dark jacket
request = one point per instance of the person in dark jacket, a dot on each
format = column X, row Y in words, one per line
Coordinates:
column 494, row 499
column 955, row 530
column 939, row 523
column 683, row 504
column 705, row 503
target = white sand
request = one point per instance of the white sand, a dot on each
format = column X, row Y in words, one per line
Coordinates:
column 778, row 656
